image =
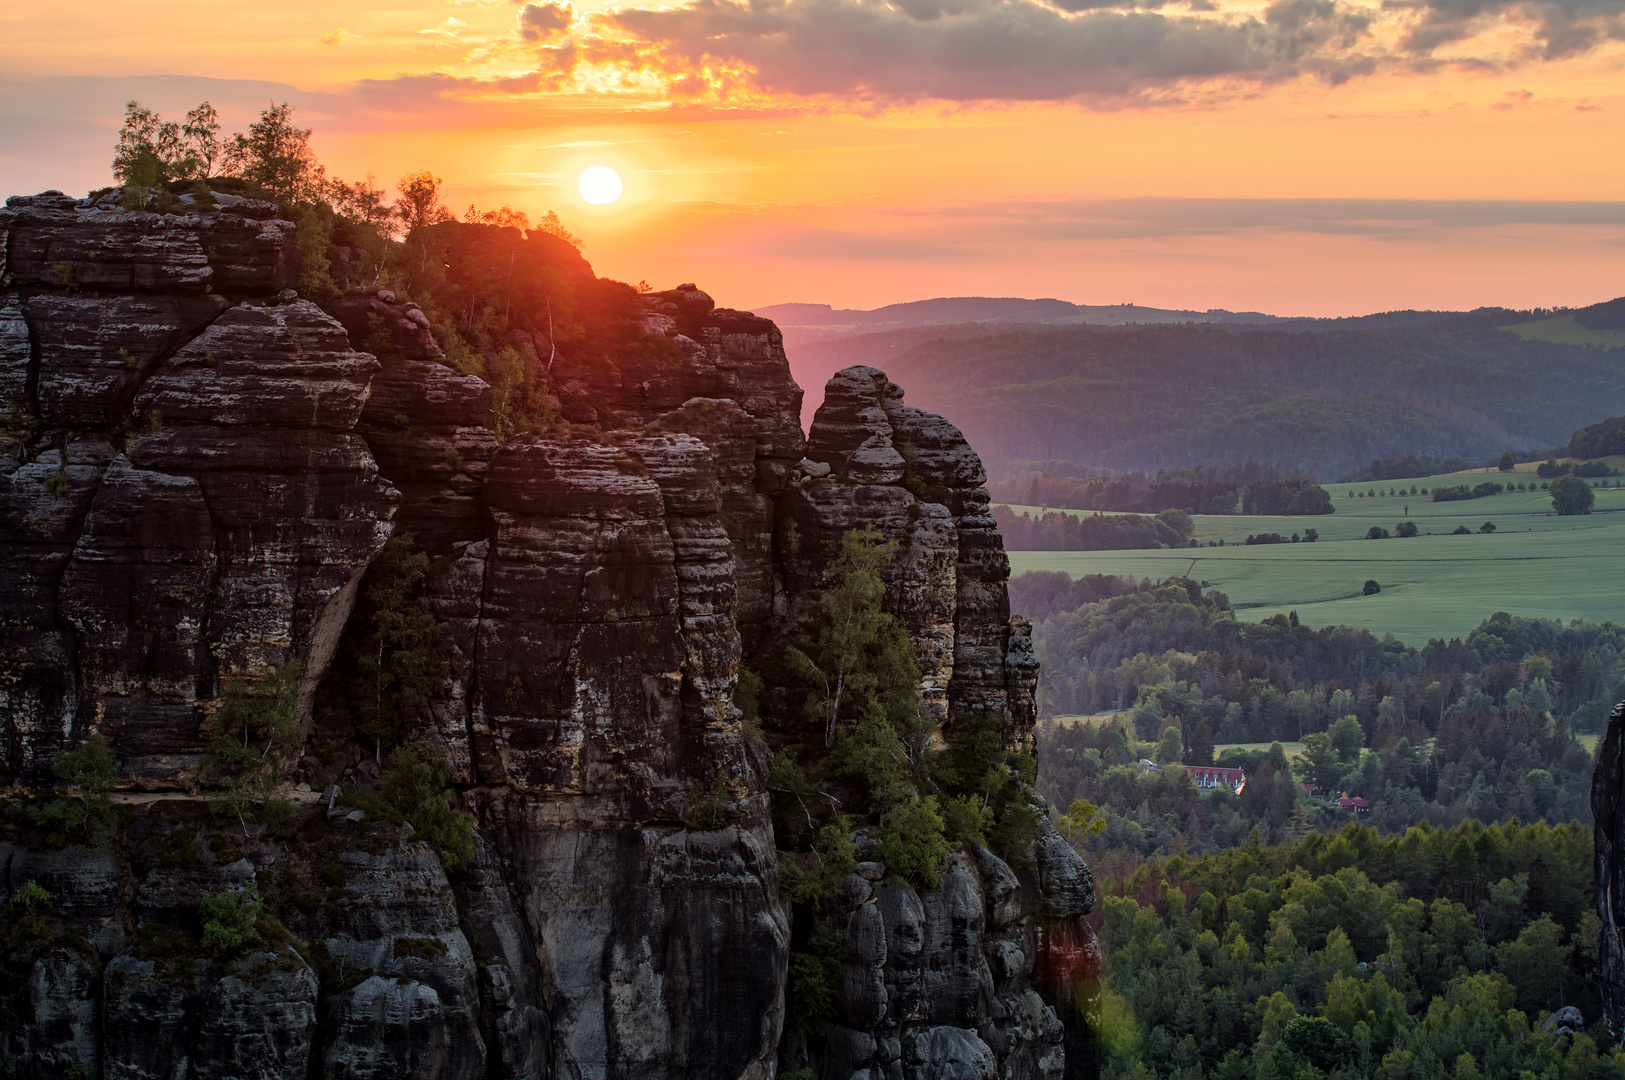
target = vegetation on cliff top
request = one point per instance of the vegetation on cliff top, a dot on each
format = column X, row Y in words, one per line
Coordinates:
column 504, row 297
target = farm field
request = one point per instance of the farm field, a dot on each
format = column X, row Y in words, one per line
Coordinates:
column 1565, row 331
column 1433, row 585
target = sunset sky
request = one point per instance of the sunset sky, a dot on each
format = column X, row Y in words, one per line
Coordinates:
column 1309, row 157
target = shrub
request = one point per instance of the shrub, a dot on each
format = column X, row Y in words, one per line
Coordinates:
column 228, row 919
column 1487, row 528
column 1371, row 587
column 86, row 813
column 1462, row 530
column 708, row 803
column 814, row 974
column 251, row 714
column 1377, row 532
column 834, row 856
column 912, row 843
column 416, row 782
column 1405, row 528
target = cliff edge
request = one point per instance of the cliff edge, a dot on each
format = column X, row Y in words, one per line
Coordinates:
column 202, row 472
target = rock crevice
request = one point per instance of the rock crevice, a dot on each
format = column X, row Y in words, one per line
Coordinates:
column 199, row 468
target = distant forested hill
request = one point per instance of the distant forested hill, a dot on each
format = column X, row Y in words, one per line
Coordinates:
column 1151, row 397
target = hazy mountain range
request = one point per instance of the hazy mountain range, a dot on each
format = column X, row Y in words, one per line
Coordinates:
column 1147, row 388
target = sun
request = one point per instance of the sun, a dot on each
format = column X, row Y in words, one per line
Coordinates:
column 600, row 184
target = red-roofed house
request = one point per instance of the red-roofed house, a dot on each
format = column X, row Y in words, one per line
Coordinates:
column 1211, row 776
column 1357, row 804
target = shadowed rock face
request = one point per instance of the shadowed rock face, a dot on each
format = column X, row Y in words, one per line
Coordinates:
column 199, row 467
column 1608, row 813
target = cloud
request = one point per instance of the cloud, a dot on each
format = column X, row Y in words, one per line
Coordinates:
column 542, row 22
column 1557, row 28
column 337, row 36
column 978, row 50
column 1146, row 218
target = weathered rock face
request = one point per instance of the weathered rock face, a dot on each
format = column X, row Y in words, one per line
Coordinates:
column 911, row 475
column 198, row 468
column 1608, row 811
column 190, row 507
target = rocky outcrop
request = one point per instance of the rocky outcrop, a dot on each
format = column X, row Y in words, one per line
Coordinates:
column 1608, row 813
column 941, row 984
column 911, row 475
column 200, row 468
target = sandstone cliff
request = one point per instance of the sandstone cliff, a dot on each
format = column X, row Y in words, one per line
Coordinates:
column 1608, row 815
column 199, row 469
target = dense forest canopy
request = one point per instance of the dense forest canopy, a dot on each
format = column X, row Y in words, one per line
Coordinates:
column 1401, row 888
column 1152, row 397
column 1434, row 954
column 1476, row 728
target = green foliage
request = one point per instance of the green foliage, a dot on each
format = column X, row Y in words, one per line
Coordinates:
column 228, row 920
column 912, row 480
column 966, row 819
column 395, row 662
column 1604, row 438
column 817, row 876
column 251, row 734
column 860, row 665
column 1571, row 496
column 912, row 842
column 85, row 812
column 315, row 232
column 1056, row 531
column 273, row 157
column 708, row 803
column 1376, row 957
column 57, row 483
column 153, row 151
column 416, row 782
column 815, row 972
column 747, row 699
column 92, row 766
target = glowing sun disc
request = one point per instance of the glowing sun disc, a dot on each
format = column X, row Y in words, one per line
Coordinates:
column 600, row 185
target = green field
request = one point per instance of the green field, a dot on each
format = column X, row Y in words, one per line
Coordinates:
column 1433, row 585
column 1565, row 331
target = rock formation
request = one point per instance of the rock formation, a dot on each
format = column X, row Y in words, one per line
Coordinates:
column 1608, row 817
column 200, row 468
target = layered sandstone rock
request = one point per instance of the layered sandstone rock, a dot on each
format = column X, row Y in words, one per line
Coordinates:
column 199, row 467
column 1608, row 813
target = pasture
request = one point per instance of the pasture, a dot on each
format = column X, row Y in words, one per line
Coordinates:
column 1563, row 330
column 1433, row 585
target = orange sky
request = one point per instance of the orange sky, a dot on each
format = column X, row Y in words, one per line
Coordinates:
column 1310, row 157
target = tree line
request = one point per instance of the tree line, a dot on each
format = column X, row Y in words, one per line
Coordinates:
column 1247, row 489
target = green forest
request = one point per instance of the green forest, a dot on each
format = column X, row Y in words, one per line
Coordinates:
column 1272, row 933
column 1168, row 397
column 1249, row 488
column 1430, row 933
column 1432, row 954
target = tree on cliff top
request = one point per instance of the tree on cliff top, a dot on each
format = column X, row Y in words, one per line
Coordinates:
column 275, row 158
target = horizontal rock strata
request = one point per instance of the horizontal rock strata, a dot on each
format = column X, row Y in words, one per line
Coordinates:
column 198, row 468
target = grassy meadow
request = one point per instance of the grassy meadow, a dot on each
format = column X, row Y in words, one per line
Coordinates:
column 1563, row 330
column 1433, row 585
